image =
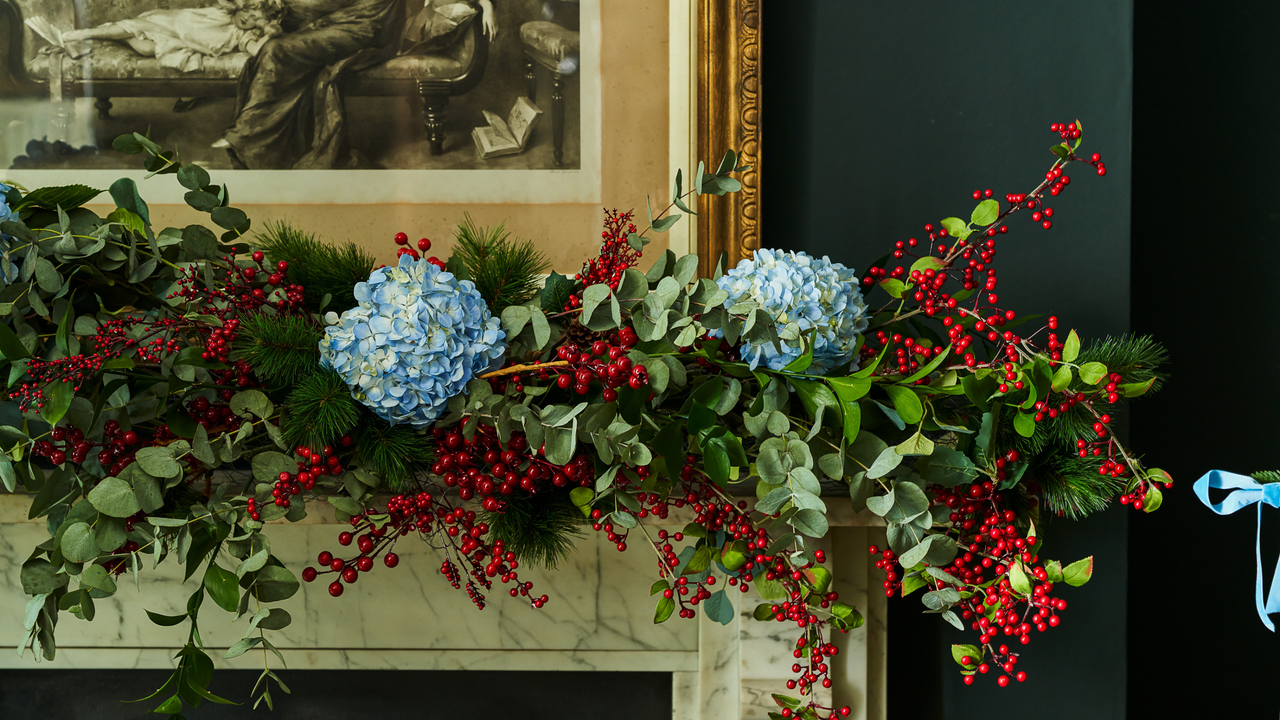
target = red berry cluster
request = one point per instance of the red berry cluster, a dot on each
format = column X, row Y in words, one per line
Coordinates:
column 817, row 665
column 456, row 528
column 588, row 367
column 968, row 262
column 1136, row 498
column 66, row 445
column 214, row 416
column 990, row 542
column 1002, row 658
column 424, row 244
column 243, row 289
column 616, row 255
column 482, row 466
column 151, row 340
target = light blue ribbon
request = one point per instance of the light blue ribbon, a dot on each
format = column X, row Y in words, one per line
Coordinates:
column 1246, row 491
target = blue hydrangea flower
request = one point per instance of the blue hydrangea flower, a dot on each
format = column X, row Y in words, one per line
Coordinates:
column 7, row 213
column 414, row 341
column 814, row 293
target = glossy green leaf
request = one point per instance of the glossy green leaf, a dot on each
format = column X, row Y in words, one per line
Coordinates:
column 1078, row 573
column 664, row 609
column 1093, row 372
column 1019, row 580
column 222, row 586
column 907, row 403
column 1025, row 424
column 986, row 212
column 960, row 652
column 1071, row 348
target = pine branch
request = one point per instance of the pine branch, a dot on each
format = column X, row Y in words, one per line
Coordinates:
column 322, row 269
column 1137, row 358
column 320, row 410
column 1266, row 476
column 393, row 452
column 505, row 270
column 1071, row 485
column 283, row 348
column 1007, row 438
column 540, row 529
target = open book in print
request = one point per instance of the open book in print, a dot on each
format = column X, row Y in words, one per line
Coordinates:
column 507, row 137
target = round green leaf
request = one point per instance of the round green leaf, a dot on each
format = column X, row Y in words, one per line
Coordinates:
column 78, row 545
column 267, row 466
column 274, row 583
column 114, row 497
column 279, row 619
column 158, row 462
column 810, row 522
column 96, row 577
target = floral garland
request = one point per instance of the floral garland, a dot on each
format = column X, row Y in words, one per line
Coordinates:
column 181, row 389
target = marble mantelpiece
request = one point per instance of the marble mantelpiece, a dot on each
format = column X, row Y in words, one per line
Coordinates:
column 600, row 618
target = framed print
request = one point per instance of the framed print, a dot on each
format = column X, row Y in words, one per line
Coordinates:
column 357, row 119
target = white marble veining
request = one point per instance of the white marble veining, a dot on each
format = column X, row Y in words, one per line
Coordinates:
column 600, row 618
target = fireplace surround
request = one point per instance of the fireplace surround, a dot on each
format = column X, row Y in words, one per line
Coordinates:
column 600, row 619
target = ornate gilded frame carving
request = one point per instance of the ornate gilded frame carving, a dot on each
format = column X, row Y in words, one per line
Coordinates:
column 728, row 108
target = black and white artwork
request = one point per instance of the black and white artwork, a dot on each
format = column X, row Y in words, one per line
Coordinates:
column 396, row 85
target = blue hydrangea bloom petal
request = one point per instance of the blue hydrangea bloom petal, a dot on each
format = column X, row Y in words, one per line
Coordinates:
column 416, row 338
column 814, row 293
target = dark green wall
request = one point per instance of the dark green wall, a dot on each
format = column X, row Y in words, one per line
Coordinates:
column 882, row 116
column 1206, row 228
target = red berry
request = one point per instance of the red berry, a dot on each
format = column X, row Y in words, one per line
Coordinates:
column 402, row 239
column 391, row 560
column 424, row 244
column 335, row 588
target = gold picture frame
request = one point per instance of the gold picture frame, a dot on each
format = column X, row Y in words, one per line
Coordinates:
column 694, row 63
column 728, row 117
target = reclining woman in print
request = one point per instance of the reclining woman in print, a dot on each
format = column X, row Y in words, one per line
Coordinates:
column 183, row 38
column 289, row 109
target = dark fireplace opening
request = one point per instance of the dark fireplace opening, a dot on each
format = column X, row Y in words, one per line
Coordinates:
column 343, row 694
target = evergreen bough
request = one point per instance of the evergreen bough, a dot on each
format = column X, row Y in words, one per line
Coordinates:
column 540, row 529
column 322, row 269
column 320, row 410
column 507, row 271
column 1071, row 485
column 393, row 451
column 281, row 348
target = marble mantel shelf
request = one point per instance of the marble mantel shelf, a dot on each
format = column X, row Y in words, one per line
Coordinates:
column 600, row 618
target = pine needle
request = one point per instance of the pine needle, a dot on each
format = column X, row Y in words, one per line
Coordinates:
column 1072, row 486
column 1137, row 358
column 282, row 348
column 393, row 452
column 322, row 269
column 320, row 410
column 505, row 270
column 540, row 529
